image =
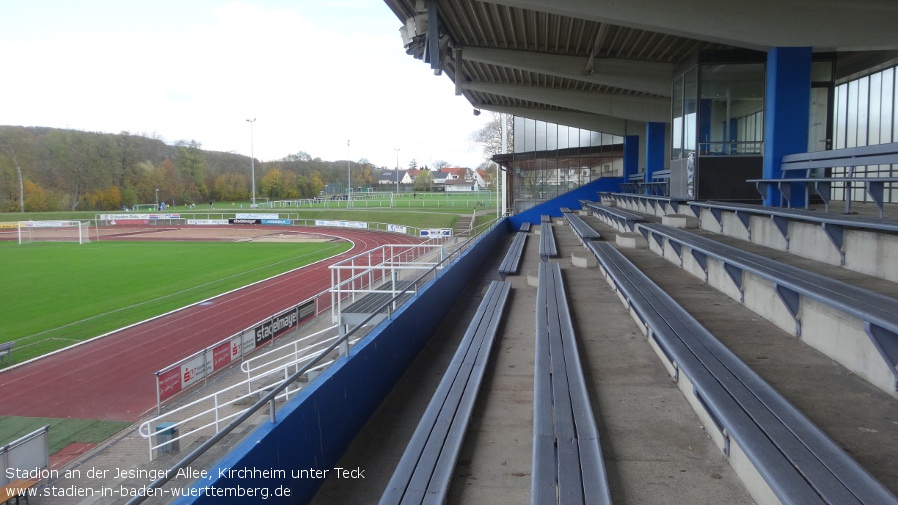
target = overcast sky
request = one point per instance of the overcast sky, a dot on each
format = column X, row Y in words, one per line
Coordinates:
column 313, row 73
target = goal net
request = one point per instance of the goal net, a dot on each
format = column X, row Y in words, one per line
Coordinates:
column 54, row 231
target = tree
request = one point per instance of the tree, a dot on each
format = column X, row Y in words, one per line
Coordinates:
column 231, row 186
column 12, row 143
column 491, row 169
column 35, row 198
column 424, row 181
column 191, row 167
column 413, row 164
column 439, row 165
column 272, row 183
column 490, row 136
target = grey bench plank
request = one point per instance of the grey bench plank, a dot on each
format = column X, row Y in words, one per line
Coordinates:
column 729, row 390
column 567, row 458
column 622, row 217
column 511, row 263
column 581, row 228
column 424, row 472
column 547, row 247
column 872, row 308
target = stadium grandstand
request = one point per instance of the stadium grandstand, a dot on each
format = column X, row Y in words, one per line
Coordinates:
column 709, row 313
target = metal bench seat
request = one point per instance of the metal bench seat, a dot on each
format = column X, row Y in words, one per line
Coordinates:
column 646, row 201
column 581, row 228
column 801, row 165
column 547, row 247
column 623, row 218
column 512, row 261
column 833, row 224
column 427, row 465
column 799, row 463
column 879, row 313
column 567, row 458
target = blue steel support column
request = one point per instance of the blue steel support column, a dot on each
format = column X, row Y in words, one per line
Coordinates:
column 655, row 139
column 787, row 106
column 631, row 155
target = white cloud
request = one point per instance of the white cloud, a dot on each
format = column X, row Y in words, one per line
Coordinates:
column 313, row 76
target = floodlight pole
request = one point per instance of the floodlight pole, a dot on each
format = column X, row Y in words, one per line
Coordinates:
column 252, row 160
column 397, row 170
column 348, row 178
column 157, row 199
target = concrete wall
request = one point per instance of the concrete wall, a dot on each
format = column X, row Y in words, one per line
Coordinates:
column 316, row 427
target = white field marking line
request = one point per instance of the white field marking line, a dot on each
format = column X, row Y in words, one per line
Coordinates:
column 108, row 333
column 154, row 300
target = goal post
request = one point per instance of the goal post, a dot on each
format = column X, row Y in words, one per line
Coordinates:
column 54, row 231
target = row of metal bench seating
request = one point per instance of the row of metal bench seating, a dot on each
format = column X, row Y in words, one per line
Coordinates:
column 425, row 470
column 658, row 184
column 567, row 465
column 583, row 231
column 878, row 313
column 797, row 461
column 511, row 263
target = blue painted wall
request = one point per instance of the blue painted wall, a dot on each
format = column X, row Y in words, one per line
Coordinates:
column 315, row 428
column 655, row 139
column 786, row 113
column 571, row 200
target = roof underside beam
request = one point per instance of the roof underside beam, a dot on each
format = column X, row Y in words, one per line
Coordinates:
column 642, row 76
column 605, row 104
column 858, row 25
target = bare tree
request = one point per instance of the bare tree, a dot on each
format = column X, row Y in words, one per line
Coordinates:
column 490, row 136
column 12, row 144
column 439, row 165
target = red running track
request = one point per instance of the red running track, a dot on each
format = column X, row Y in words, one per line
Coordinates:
column 112, row 378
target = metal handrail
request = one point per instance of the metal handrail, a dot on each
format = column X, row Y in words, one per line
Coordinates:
column 269, row 398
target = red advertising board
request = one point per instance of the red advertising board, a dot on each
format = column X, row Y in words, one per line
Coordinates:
column 169, row 383
column 221, row 355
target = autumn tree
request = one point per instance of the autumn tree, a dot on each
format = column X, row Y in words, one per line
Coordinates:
column 35, row 198
column 490, row 136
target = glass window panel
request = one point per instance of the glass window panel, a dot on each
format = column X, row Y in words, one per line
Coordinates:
column 540, row 135
column 519, row 134
column 840, row 131
column 729, row 93
column 584, row 138
column 863, row 103
column 875, row 100
column 887, row 104
column 851, row 116
column 573, row 137
column 563, row 137
column 690, row 109
column 676, row 106
column 551, row 136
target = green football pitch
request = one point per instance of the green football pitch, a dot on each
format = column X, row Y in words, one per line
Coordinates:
column 57, row 294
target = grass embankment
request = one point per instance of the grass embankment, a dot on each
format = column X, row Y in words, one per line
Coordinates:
column 58, row 294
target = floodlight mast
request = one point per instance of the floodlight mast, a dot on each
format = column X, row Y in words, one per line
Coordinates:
column 252, row 160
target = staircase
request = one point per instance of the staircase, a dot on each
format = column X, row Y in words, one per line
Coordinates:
column 463, row 226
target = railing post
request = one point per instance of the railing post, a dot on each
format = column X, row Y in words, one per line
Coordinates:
column 271, row 411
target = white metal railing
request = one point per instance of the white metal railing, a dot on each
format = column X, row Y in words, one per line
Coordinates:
column 275, row 392
column 271, row 359
column 361, row 273
column 211, row 412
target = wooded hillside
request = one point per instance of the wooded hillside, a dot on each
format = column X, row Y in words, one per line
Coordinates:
column 57, row 169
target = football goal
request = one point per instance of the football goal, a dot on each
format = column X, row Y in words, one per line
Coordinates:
column 54, row 231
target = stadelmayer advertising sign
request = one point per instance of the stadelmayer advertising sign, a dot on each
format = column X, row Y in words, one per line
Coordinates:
column 201, row 365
